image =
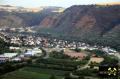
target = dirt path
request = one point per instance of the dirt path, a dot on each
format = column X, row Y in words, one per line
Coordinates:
column 85, row 66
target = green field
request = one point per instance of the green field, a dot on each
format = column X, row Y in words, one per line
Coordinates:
column 33, row 73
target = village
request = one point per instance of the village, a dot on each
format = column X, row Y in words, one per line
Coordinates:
column 30, row 45
column 36, row 49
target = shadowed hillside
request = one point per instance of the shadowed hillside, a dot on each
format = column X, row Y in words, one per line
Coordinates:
column 95, row 24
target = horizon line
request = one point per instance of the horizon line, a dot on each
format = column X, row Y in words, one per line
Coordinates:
column 102, row 3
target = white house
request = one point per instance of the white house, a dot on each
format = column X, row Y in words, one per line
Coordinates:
column 3, row 60
column 16, row 59
column 14, row 48
column 33, row 52
column 7, row 56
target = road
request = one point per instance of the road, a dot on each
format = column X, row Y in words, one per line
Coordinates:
column 117, row 55
column 47, row 53
column 85, row 66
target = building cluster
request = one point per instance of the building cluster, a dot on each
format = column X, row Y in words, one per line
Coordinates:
column 109, row 50
column 19, row 56
column 47, row 42
column 7, row 56
column 19, row 30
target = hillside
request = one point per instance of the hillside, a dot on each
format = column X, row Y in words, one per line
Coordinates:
column 94, row 24
column 11, row 16
column 93, row 19
column 91, row 23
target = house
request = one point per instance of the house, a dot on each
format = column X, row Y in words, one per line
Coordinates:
column 2, row 60
column 14, row 48
column 16, row 59
column 33, row 52
column 111, row 53
column 7, row 56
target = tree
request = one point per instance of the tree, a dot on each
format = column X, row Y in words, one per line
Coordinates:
column 52, row 77
column 81, row 77
column 77, row 50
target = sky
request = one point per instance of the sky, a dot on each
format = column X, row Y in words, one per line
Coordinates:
column 60, row 3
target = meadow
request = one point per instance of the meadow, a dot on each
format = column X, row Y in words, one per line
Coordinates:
column 33, row 73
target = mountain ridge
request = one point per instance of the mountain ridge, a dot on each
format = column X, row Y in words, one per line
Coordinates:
column 95, row 24
column 92, row 23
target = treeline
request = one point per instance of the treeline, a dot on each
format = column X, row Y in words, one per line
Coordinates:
column 9, row 67
column 60, row 55
column 57, row 64
column 4, row 47
column 62, row 62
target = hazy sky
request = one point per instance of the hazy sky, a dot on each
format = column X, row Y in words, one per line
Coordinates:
column 61, row 3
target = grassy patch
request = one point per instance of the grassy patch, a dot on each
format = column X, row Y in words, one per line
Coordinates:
column 44, row 71
column 31, row 73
